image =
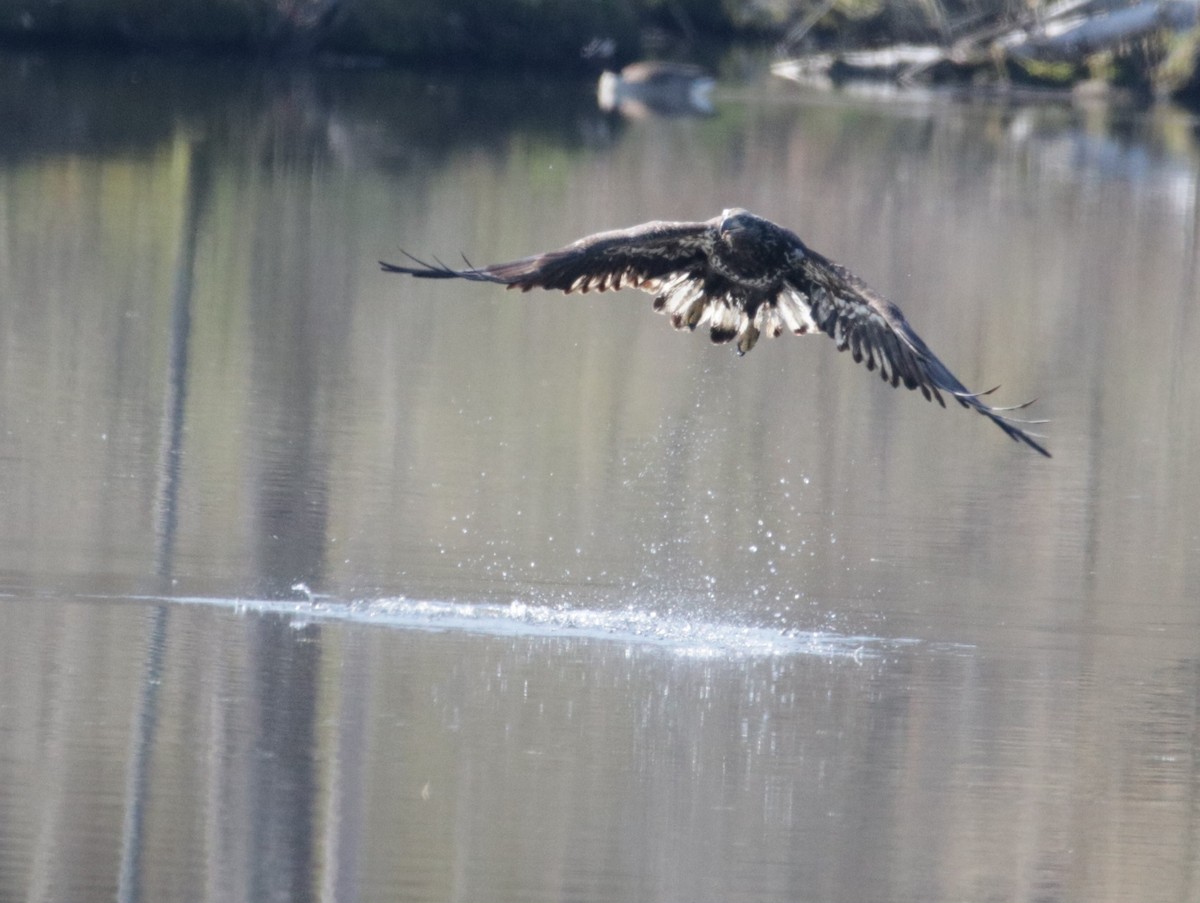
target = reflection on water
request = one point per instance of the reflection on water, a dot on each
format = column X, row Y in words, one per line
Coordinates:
column 686, row 627
column 292, row 754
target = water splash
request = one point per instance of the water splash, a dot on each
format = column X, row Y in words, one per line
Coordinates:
column 682, row 636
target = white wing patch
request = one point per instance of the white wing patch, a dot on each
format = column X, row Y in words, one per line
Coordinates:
column 608, row 281
column 683, row 299
column 792, row 311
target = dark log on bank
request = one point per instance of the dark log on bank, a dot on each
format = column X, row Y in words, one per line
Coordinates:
column 1068, row 32
column 1074, row 37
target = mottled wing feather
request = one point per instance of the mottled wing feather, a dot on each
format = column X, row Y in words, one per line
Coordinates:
column 642, row 257
column 876, row 333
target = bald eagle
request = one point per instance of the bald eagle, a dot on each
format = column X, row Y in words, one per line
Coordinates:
column 741, row 277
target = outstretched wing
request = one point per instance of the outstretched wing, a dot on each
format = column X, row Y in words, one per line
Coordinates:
column 672, row 261
column 875, row 331
column 641, row 257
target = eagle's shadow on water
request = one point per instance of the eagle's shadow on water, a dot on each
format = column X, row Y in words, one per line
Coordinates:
column 644, row 627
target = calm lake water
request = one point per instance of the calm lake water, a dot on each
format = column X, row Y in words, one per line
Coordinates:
column 318, row 583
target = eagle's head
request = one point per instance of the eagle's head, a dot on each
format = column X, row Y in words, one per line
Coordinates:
column 741, row 230
column 736, row 222
column 748, row 247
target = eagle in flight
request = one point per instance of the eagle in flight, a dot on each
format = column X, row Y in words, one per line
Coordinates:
column 741, row 277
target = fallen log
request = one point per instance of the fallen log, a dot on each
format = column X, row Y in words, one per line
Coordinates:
column 1067, row 32
column 1079, row 36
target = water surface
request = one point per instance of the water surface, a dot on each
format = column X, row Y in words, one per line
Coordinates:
column 318, row 583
